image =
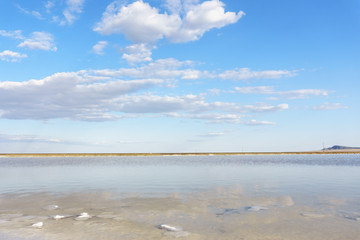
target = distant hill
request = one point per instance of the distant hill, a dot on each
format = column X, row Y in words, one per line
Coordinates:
column 338, row 147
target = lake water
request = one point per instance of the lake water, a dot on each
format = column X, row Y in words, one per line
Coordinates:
column 202, row 197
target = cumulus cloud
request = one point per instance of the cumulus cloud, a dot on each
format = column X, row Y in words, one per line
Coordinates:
column 41, row 41
column 71, row 95
column 136, row 53
column 141, row 23
column 329, row 106
column 246, row 73
column 86, row 96
column 203, row 17
column 10, row 56
column 138, row 21
column 293, row 94
column 99, row 47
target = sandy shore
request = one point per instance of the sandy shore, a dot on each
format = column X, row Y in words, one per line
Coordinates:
column 349, row 151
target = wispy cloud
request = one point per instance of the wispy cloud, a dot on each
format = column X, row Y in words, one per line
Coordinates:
column 246, row 74
column 27, row 139
column 170, row 68
column 292, row 94
column 212, row 134
column 254, row 122
column 49, row 6
column 163, row 68
column 329, row 106
column 33, row 13
column 10, row 56
column 72, row 10
column 39, row 41
column 17, row 34
column 213, row 117
column 99, row 47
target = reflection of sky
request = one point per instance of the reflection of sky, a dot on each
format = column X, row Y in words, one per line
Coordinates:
column 147, row 175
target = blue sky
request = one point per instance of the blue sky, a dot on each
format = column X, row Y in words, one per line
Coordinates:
column 178, row 75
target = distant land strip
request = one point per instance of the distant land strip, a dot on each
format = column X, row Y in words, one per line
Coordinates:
column 172, row 154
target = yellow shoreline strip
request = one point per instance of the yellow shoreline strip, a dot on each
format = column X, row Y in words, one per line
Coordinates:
column 166, row 154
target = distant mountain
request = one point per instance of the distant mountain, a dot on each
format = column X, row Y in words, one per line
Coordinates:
column 338, row 147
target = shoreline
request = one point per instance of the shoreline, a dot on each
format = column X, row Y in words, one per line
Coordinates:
column 173, row 154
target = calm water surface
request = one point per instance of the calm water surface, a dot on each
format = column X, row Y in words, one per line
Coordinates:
column 296, row 174
column 210, row 197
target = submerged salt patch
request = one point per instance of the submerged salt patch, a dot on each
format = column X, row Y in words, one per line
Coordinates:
column 173, row 231
column 312, row 215
column 177, row 234
column 169, row 228
column 286, row 201
column 38, row 225
column 51, row 207
column 255, row 208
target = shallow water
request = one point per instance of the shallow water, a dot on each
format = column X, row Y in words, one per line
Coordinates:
column 207, row 197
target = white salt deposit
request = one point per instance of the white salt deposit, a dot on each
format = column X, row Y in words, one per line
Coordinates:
column 83, row 216
column 38, row 225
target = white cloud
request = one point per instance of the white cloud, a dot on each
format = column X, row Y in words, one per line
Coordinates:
column 246, row 73
column 138, row 21
column 141, row 23
column 254, row 122
column 303, row 93
column 67, row 95
column 169, row 68
column 84, row 96
column 215, row 118
column 293, row 94
column 262, row 107
column 329, row 106
column 256, row 90
column 163, row 68
column 201, row 18
column 41, row 41
column 211, row 117
column 17, row 34
column 11, row 56
column 72, row 10
column 99, row 47
column 137, row 53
